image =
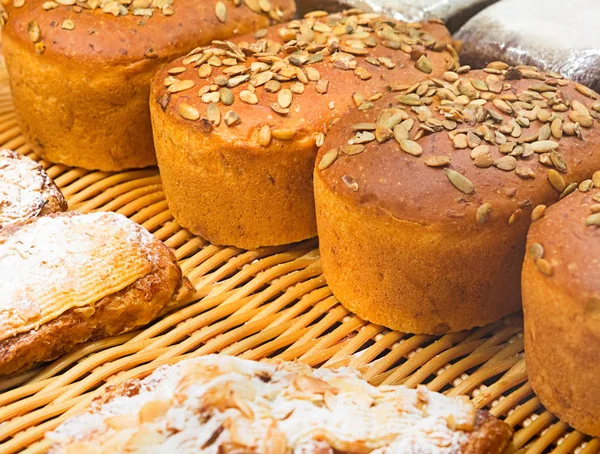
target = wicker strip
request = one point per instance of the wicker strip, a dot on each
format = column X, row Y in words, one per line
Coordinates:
column 264, row 304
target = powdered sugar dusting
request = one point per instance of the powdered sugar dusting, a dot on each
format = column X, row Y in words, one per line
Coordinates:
column 24, row 188
column 58, row 263
column 220, row 404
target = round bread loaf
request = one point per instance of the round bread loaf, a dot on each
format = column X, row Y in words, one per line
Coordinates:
column 237, row 125
column 561, row 302
column 425, row 232
column 80, row 70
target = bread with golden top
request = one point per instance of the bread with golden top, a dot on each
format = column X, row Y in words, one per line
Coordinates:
column 424, row 201
column 80, row 70
column 68, row 278
column 561, row 303
column 26, row 190
column 237, row 124
column 222, row 404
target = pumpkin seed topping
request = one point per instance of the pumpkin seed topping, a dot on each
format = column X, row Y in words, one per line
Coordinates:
column 423, row 64
column 506, row 163
column 569, row 189
column 328, row 159
column 352, row 150
column 221, row 11
column 586, row 185
column 485, row 116
column 536, row 251
column 231, row 118
column 350, row 182
column 459, row 181
column 593, row 219
column 537, row 213
column 483, row 213
column 437, row 161
column 556, row 180
column 544, row 266
column 264, row 136
column 411, row 147
column 596, row 179
column 515, row 217
column 188, row 111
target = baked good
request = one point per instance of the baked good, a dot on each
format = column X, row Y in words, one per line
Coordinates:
column 69, row 277
column 561, row 303
column 236, row 162
column 80, row 70
column 550, row 34
column 425, row 232
column 454, row 13
column 223, row 404
column 26, row 191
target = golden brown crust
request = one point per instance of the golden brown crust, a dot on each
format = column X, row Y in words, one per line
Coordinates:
column 561, row 302
column 26, row 191
column 129, row 308
column 490, row 435
column 231, row 183
column 402, row 246
column 110, row 40
column 89, row 106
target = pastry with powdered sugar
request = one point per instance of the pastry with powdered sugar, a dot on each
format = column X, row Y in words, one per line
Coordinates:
column 68, row 278
column 222, row 404
column 26, row 190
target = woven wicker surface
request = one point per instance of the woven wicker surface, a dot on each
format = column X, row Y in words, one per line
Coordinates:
column 270, row 303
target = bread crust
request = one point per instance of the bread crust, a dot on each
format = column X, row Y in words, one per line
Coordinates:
column 83, row 101
column 26, row 190
column 562, row 312
column 490, row 436
column 127, row 309
column 232, row 185
column 400, row 246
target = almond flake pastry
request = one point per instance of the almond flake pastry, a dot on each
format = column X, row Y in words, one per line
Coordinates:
column 222, row 404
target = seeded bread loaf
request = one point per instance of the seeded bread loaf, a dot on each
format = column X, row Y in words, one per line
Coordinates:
column 80, row 70
column 222, row 404
column 68, row 278
column 561, row 302
column 237, row 125
column 26, row 191
column 425, row 232
column 551, row 34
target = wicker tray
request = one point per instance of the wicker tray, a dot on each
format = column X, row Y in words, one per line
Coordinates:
column 270, row 303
